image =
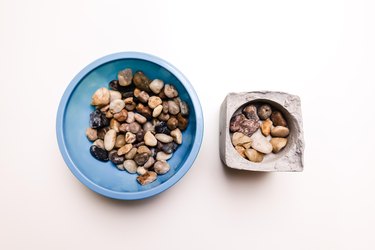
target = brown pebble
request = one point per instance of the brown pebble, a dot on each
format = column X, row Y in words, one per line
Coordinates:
column 172, row 123
column 121, row 116
column 264, row 111
column 278, row 144
column 182, row 122
column 278, row 119
column 266, row 127
column 241, row 151
column 280, row 131
column 250, row 112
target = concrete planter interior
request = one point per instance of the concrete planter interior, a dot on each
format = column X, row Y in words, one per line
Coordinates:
column 290, row 159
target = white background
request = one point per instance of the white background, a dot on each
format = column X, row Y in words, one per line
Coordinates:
column 321, row 50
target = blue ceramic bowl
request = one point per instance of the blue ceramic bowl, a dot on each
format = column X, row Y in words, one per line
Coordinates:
column 73, row 119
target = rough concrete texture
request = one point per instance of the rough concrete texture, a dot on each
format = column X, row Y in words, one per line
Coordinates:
column 290, row 158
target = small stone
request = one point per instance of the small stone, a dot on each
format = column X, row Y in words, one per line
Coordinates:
column 164, row 138
column 240, row 150
column 154, row 101
column 177, row 136
column 99, row 153
column 162, row 127
column 110, row 139
column 116, row 106
column 248, row 127
column 265, row 111
column 161, row 167
column 102, row 132
column 144, row 110
column 130, row 137
column 254, row 155
column 114, row 124
column 147, row 178
column 125, row 77
column 278, row 119
column 144, row 149
column 247, row 145
column 141, row 81
column 161, row 156
column 184, row 108
column 278, row 144
column 235, row 122
column 156, row 86
column 172, row 123
column 182, row 122
column 260, row 143
column 150, row 162
column 141, row 159
column 150, row 139
column 114, row 95
column 140, row 135
column 136, row 92
column 130, row 104
column 164, row 117
column 120, row 166
column 124, row 149
column 115, row 158
column 130, row 166
column 99, row 143
column 141, row 170
column 165, row 107
column 266, row 127
column 120, row 141
column 239, row 139
column 148, row 127
column 124, row 127
column 250, row 112
column 280, row 131
column 143, row 97
column 140, row 118
column 121, row 116
column 157, row 111
column 169, row 148
column 101, row 97
column 173, row 108
column 134, row 127
column 130, row 117
column 98, row 119
column 162, row 95
column 130, row 155
column 170, row 91
column 92, row 134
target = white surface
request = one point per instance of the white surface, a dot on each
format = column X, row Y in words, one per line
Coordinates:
column 321, row 50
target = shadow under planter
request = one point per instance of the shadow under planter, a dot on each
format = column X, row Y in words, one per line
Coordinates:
column 289, row 158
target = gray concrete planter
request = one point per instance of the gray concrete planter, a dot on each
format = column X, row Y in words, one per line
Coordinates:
column 290, row 158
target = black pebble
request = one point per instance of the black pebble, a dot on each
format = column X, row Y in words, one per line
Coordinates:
column 98, row 119
column 99, row 153
column 115, row 158
column 161, row 127
column 169, row 147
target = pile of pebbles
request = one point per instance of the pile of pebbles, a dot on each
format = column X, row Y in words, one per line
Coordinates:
column 137, row 124
column 257, row 131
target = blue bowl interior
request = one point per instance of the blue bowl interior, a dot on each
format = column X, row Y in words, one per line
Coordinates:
column 76, row 120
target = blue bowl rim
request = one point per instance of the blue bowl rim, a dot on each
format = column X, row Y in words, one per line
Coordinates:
column 140, row 194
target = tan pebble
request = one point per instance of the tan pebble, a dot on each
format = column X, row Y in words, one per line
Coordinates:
column 125, row 77
column 110, row 139
column 177, row 135
column 120, row 141
column 140, row 118
column 114, row 95
column 170, row 91
column 99, row 143
column 130, row 166
column 266, row 127
column 254, row 155
column 114, row 124
column 154, row 101
column 156, row 86
column 260, row 143
column 240, row 150
column 101, row 97
column 147, row 178
column 130, row 117
column 164, row 138
column 157, row 111
column 130, row 137
column 239, row 139
column 121, row 116
column 161, row 167
column 280, row 131
column 143, row 96
column 278, row 144
column 130, row 155
column 92, row 134
column 141, row 170
column 161, row 156
column 149, row 163
column 124, row 149
column 150, row 139
column 144, row 149
column 116, row 105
